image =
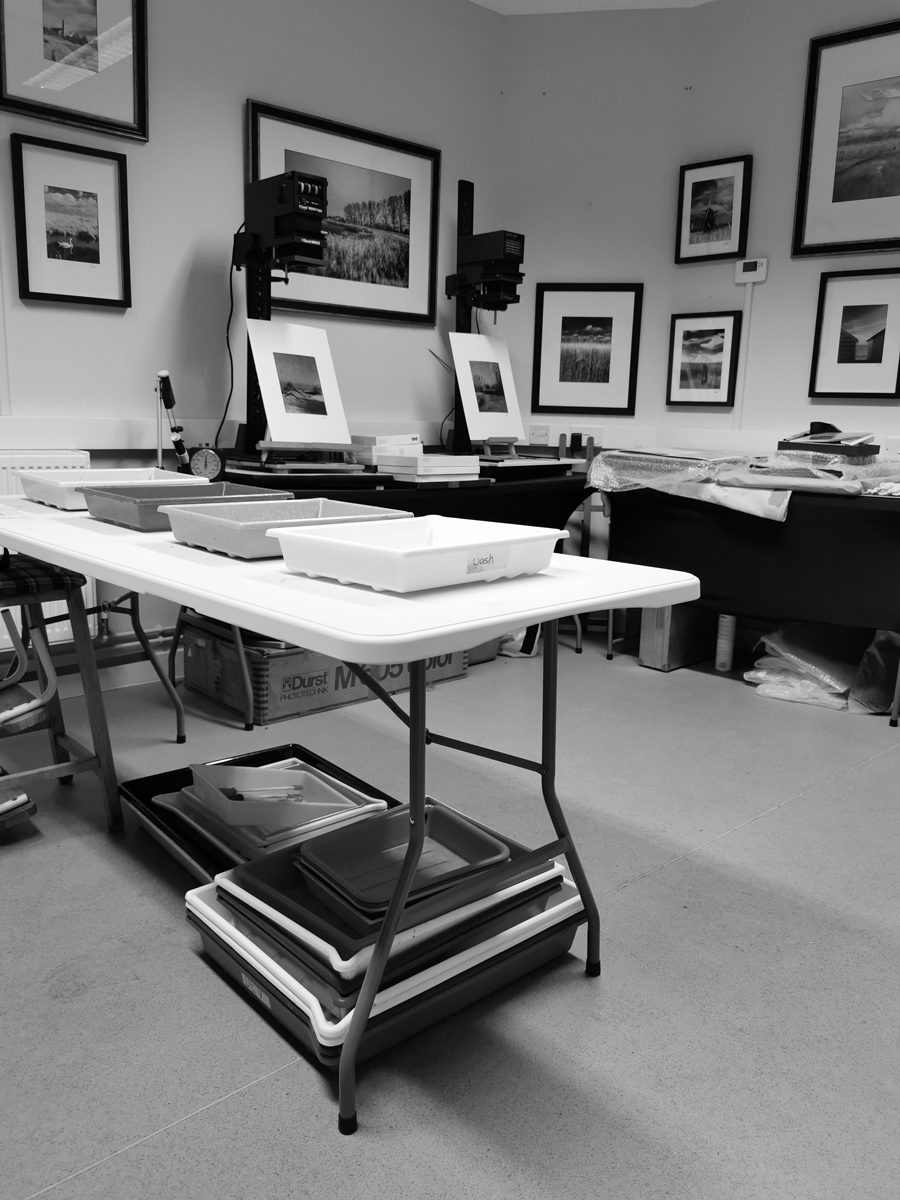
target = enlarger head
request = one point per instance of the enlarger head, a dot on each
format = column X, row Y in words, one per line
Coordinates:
column 283, row 218
column 487, row 270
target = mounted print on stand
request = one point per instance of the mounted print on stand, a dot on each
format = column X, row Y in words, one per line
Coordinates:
column 703, row 356
column 713, row 210
column 856, row 350
column 71, row 208
column 586, row 339
column 848, row 188
column 298, row 384
column 486, row 388
column 78, row 62
column 382, row 218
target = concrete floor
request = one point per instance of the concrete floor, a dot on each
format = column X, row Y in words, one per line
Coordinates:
column 741, row 1043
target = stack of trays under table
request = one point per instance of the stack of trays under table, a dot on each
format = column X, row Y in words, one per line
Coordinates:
column 296, row 928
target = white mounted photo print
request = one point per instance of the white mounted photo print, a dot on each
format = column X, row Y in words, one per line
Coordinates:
column 486, row 387
column 298, row 384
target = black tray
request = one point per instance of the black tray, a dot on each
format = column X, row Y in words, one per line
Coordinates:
column 275, row 880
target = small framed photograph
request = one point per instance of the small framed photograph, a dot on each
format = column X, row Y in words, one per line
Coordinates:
column 703, row 357
column 298, row 384
column 848, row 184
column 856, row 348
column 78, row 62
column 486, row 387
column 713, row 209
column 586, row 341
column 71, row 212
column 382, row 218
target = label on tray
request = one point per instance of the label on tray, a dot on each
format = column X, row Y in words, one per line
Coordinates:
column 487, row 558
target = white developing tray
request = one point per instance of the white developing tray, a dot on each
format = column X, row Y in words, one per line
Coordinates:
column 241, row 795
column 241, row 530
column 418, row 552
column 60, row 488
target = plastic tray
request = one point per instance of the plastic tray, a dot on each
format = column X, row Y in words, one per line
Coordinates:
column 270, row 796
column 273, row 883
column 137, row 506
column 62, row 488
column 418, row 552
column 241, row 530
column 412, row 949
column 245, row 960
column 201, row 854
column 338, row 995
column 363, row 863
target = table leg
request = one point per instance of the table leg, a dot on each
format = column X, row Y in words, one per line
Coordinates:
column 134, row 611
column 347, row 1122
column 548, row 787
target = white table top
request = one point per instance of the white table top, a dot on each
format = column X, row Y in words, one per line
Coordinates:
column 344, row 621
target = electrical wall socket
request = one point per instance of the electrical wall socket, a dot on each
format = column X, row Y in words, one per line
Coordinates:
column 539, row 435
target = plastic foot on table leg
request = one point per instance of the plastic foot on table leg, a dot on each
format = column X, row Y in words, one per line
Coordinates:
column 181, row 739
column 593, row 969
column 347, row 1124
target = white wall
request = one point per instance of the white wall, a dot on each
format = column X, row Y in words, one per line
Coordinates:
column 600, row 112
column 419, row 70
column 572, row 127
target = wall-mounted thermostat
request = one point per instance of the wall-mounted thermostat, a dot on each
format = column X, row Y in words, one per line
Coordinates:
column 750, row 270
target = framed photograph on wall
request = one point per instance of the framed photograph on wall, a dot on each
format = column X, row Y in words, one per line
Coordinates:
column 382, row 219
column 586, row 340
column 71, row 213
column 78, row 62
column 856, row 347
column 486, row 387
column 713, row 209
column 703, row 357
column 298, row 384
column 848, row 185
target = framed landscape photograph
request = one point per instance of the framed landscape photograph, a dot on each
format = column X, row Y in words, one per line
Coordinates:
column 298, row 384
column 71, row 213
column 703, row 356
column 856, row 348
column 78, row 62
column 486, row 387
column 586, row 340
column 713, row 209
column 848, row 185
column 382, row 218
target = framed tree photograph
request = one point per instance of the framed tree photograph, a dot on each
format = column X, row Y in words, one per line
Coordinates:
column 298, row 384
column 78, row 62
column 848, row 185
column 486, row 387
column 703, row 357
column 586, row 341
column 71, row 213
column 382, row 217
column 856, row 347
column 713, row 209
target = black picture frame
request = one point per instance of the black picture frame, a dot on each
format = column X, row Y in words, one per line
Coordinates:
column 358, row 164
column 586, row 344
column 95, row 71
column 848, row 205
column 856, row 345
column 71, row 202
column 713, row 209
column 703, row 359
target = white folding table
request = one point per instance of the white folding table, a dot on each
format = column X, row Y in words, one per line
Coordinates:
column 357, row 625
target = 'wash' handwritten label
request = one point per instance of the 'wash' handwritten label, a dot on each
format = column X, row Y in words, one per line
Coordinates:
column 484, row 559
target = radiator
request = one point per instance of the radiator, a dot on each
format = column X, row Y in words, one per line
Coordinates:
column 42, row 460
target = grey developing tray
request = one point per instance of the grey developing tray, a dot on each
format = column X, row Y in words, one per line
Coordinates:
column 148, row 508
column 239, row 529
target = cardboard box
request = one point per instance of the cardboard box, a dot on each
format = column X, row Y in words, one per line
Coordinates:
column 674, row 636
column 287, row 681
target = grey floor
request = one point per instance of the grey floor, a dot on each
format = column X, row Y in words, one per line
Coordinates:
column 741, row 1043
